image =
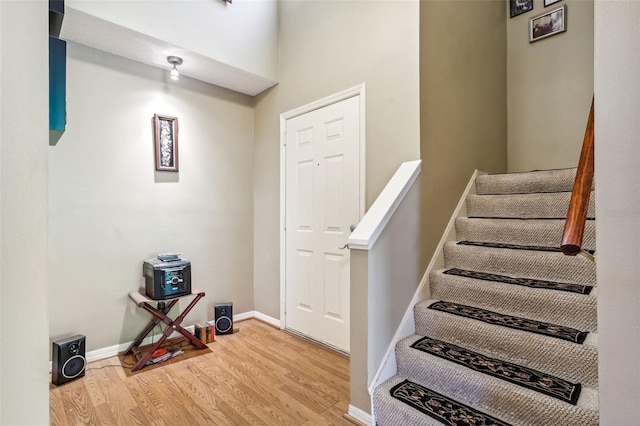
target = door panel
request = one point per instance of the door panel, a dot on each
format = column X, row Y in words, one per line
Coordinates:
column 322, row 201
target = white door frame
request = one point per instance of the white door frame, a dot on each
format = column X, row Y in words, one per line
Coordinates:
column 321, row 103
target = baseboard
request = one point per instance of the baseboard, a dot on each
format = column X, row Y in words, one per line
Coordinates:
column 259, row 316
column 388, row 367
column 266, row 318
column 357, row 415
column 244, row 316
column 108, row 352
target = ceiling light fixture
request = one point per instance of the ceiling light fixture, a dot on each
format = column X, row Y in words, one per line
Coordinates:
column 175, row 61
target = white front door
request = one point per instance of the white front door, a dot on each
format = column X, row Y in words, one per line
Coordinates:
column 322, row 202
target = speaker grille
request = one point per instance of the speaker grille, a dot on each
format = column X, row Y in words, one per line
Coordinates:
column 223, row 324
column 74, row 367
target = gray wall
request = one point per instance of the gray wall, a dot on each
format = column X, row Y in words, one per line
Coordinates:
column 617, row 160
column 549, row 86
column 463, row 104
column 24, row 137
column 110, row 210
column 359, row 356
column 326, row 47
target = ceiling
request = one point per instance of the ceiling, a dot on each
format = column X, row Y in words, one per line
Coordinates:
column 89, row 30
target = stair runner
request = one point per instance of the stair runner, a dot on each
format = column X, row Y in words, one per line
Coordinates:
column 510, row 334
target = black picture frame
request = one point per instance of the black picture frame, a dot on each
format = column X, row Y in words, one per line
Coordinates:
column 166, row 142
column 550, row 2
column 518, row 7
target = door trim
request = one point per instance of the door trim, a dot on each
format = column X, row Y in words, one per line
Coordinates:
column 358, row 90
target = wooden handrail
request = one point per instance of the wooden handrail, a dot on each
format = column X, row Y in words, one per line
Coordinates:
column 579, row 204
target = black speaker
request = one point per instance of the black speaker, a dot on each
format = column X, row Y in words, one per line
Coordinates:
column 224, row 318
column 68, row 359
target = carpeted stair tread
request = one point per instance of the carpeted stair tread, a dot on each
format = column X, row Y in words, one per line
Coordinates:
column 553, row 266
column 562, row 308
column 439, row 407
column 574, row 362
column 512, row 321
column 507, row 401
column 527, row 282
column 525, row 232
column 530, row 378
column 523, row 206
column 560, row 180
column 390, row 411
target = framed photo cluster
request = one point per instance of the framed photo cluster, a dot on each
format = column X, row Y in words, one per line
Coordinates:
column 542, row 26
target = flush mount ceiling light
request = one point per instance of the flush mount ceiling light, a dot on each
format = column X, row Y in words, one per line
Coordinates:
column 175, row 61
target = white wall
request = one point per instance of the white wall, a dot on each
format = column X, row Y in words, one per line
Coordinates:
column 549, row 88
column 110, row 210
column 617, row 161
column 24, row 137
column 243, row 34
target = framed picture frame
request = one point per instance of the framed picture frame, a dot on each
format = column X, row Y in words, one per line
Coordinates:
column 548, row 24
column 166, row 142
column 518, row 7
column 550, row 2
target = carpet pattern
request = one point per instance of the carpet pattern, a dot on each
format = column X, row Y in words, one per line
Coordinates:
column 526, row 282
column 441, row 408
column 514, row 246
column 539, row 327
column 523, row 376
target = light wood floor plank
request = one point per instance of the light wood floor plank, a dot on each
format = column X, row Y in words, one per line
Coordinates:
column 257, row 376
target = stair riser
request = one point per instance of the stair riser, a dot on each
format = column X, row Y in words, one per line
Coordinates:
column 504, row 400
column 528, row 182
column 545, row 233
column 557, row 307
column 577, row 363
column 525, row 206
column 521, row 263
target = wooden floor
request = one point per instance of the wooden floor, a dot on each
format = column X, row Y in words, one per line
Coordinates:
column 258, row 376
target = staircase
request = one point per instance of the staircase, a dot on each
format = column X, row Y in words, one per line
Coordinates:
column 509, row 336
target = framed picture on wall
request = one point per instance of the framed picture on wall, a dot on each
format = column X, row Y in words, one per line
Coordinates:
column 166, row 142
column 518, row 7
column 550, row 2
column 548, row 24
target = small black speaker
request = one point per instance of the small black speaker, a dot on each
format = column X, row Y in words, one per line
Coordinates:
column 224, row 318
column 68, row 359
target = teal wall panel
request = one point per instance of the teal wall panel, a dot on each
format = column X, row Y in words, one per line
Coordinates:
column 57, row 88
